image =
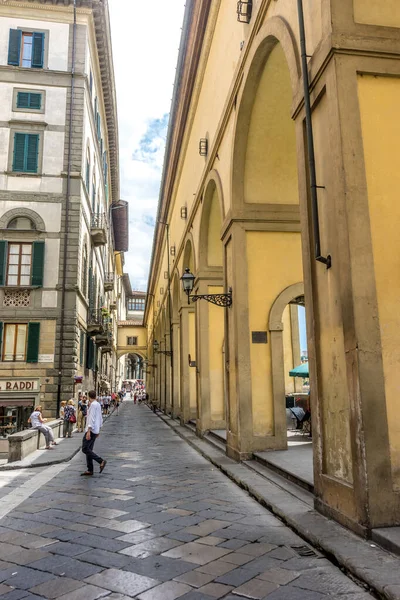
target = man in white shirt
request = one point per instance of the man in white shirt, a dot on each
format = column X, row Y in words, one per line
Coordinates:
column 94, row 423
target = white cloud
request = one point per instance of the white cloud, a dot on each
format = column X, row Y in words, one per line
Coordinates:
column 145, row 37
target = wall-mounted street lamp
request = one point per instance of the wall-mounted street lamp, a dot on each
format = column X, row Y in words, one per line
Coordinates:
column 203, row 147
column 244, row 9
column 217, row 299
column 156, row 346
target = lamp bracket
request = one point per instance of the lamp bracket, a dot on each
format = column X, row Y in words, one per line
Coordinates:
column 223, row 300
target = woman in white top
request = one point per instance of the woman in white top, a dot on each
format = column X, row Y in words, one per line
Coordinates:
column 38, row 422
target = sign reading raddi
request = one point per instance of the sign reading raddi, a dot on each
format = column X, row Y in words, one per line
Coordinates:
column 19, row 385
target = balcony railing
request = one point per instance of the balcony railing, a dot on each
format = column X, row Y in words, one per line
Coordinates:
column 95, row 321
column 98, row 229
column 109, row 280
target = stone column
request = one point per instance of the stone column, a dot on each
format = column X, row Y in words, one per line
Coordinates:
column 176, row 408
column 210, row 336
column 184, row 363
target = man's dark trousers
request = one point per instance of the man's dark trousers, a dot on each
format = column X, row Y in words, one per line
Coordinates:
column 87, row 448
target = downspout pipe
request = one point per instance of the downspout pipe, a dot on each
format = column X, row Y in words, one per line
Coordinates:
column 67, row 211
column 310, row 142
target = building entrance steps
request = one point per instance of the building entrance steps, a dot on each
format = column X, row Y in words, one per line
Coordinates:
column 374, row 566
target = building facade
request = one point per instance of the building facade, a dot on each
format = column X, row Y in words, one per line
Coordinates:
column 247, row 210
column 60, row 255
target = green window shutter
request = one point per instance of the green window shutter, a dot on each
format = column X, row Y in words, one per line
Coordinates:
column 35, row 101
column 19, row 152
column 38, row 263
column 37, row 50
column 3, row 261
column 32, row 353
column 81, row 348
column 1, row 340
column 32, row 152
column 23, row 99
column 14, row 47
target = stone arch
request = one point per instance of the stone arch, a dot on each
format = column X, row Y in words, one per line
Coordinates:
column 275, row 329
column 275, row 32
column 22, row 212
column 212, row 217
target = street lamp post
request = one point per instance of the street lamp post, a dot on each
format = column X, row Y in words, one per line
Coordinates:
column 188, row 278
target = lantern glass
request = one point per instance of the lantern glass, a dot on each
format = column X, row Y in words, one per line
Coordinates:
column 187, row 281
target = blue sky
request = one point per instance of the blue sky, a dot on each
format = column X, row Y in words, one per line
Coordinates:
column 145, row 37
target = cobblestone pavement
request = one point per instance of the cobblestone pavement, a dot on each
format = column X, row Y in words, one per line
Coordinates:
column 159, row 523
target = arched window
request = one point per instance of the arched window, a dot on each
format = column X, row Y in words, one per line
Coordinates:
column 23, row 223
column 84, row 272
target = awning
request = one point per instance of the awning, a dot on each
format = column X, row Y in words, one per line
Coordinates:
column 120, row 220
column 300, row 371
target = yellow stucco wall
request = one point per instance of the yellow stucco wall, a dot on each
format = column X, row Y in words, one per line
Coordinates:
column 215, row 357
column 124, row 332
column 214, row 255
column 274, row 263
column 271, row 160
column 374, row 12
column 379, row 99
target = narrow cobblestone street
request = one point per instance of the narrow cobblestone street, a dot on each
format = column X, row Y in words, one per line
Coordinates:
column 160, row 523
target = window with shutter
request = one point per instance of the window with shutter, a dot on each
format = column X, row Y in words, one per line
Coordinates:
column 32, row 353
column 14, row 342
column 3, row 261
column 87, row 174
column 38, row 263
column 81, row 348
column 26, row 153
column 29, row 101
column 37, row 50
column 1, row 339
column 14, row 47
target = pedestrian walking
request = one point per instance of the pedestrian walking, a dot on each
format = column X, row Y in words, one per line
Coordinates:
column 38, row 422
column 94, row 423
column 69, row 418
column 82, row 412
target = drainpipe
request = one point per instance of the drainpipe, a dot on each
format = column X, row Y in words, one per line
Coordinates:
column 310, row 142
column 67, row 209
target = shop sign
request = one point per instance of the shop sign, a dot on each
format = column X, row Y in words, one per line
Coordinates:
column 19, row 385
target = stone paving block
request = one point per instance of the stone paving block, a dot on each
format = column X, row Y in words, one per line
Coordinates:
column 68, row 549
column 159, row 567
column 256, row 588
column 180, row 512
column 195, row 578
column 26, row 578
column 197, row 553
column 287, row 593
column 66, row 566
column 279, row 576
column 4, row 589
column 105, row 559
column 95, row 541
column 195, row 595
column 138, row 537
column 234, row 544
column 128, row 526
column 283, row 553
column 215, row 590
column 123, row 582
column 207, row 527
column 170, row 590
column 257, row 549
column 86, row 592
column 237, row 577
column 237, row 558
column 181, row 536
column 64, row 535
column 216, row 568
column 154, row 546
column 25, row 556
column 326, row 581
column 19, row 595
column 210, row 540
column 56, row 587
column 262, row 563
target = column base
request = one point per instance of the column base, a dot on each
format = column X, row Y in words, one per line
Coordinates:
column 334, row 514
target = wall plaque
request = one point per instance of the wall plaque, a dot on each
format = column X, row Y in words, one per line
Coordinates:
column 259, row 337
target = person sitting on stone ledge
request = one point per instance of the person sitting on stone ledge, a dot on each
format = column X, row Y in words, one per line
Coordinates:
column 38, row 422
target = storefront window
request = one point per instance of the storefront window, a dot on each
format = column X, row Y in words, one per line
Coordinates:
column 14, row 419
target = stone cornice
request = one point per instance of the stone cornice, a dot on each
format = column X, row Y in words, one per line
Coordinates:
column 101, row 18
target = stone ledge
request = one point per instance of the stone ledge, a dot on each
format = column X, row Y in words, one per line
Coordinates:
column 23, row 443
